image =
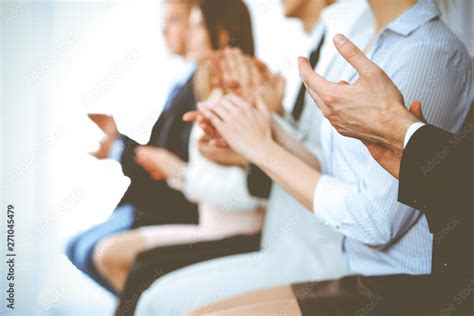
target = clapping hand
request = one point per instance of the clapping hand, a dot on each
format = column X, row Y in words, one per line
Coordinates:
column 107, row 124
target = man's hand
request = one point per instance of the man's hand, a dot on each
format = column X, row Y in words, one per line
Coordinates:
column 388, row 158
column 159, row 162
column 372, row 109
column 222, row 156
column 107, row 124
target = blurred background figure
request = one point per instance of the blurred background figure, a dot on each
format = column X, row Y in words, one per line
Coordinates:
column 147, row 201
column 291, row 235
column 225, row 207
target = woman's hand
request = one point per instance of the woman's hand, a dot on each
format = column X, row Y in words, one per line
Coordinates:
column 159, row 162
column 221, row 155
column 107, row 125
column 246, row 128
column 273, row 92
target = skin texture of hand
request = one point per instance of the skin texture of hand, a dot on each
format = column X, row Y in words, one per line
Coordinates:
column 371, row 109
column 246, row 77
column 159, row 162
column 246, row 128
column 390, row 159
column 272, row 93
column 107, row 124
column 222, row 156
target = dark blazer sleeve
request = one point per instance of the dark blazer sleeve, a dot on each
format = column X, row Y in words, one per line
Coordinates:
column 436, row 173
column 129, row 167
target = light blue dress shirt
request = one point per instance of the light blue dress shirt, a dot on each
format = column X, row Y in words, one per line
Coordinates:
column 356, row 196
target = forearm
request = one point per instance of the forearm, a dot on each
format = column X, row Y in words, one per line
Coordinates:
column 294, row 146
column 290, row 172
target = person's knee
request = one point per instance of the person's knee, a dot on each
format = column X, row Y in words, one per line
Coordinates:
column 79, row 249
column 102, row 257
column 70, row 249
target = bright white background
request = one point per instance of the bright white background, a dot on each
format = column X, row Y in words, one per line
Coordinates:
column 62, row 59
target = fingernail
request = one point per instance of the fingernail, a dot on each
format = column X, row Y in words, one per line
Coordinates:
column 339, row 39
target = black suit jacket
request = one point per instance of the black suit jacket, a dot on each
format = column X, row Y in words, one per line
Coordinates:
column 436, row 177
column 155, row 202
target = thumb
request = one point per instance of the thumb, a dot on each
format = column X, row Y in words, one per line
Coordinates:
column 415, row 109
column 191, row 116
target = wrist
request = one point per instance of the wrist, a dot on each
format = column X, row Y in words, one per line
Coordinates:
column 398, row 126
column 267, row 153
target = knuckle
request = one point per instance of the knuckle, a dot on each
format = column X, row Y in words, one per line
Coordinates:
column 328, row 99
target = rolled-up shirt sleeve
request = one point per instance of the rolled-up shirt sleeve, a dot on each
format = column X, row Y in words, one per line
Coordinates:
column 364, row 210
column 360, row 201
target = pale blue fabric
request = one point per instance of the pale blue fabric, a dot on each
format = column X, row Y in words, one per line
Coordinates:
column 356, row 196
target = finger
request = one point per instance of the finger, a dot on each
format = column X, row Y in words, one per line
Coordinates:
column 139, row 150
column 237, row 64
column 280, row 82
column 222, row 110
column 214, row 118
column 208, row 129
column 353, row 55
column 264, row 71
column 207, row 125
column 415, row 109
column 343, row 82
column 260, row 104
column 229, row 106
column 219, row 142
column 232, row 65
column 315, row 82
column 191, row 116
column 239, row 103
column 319, row 102
column 157, row 175
column 215, row 71
column 257, row 78
column 245, row 66
column 204, row 139
column 226, row 70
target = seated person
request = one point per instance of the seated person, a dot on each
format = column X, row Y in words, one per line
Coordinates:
column 403, row 152
column 291, row 236
column 146, row 201
column 225, row 207
column 346, row 189
column 235, row 73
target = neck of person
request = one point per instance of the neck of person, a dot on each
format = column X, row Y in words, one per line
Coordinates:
column 386, row 11
column 310, row 13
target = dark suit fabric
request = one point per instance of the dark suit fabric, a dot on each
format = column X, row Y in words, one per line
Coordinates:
column 436, row 177
column 155, row 201
column 152, row 264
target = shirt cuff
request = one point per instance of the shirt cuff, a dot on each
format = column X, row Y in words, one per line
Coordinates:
column 410, row 131
column 116, row 150
column 328, row 202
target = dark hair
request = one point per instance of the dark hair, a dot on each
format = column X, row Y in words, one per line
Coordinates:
column 231, row 16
